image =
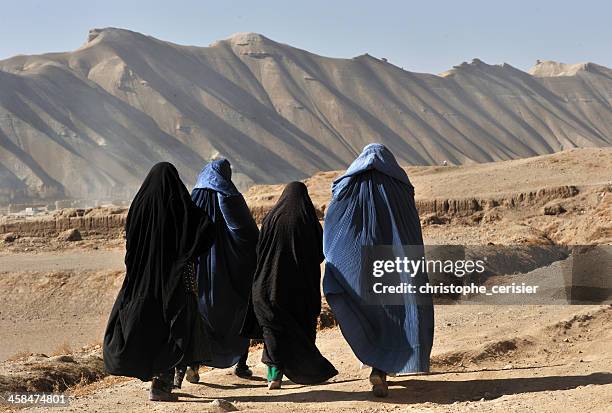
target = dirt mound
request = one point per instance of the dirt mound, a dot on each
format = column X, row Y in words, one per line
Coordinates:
column 580, row 322
column 70, row 235
column 496, row 351
column 550, row 343
column 42, row 373
column 65, row 307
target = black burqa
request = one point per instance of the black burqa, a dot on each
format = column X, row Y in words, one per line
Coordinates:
column 155, row 324
column 286, row 296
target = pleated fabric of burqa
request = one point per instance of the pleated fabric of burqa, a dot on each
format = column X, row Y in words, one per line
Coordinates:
column 286, row 295
column 373, row 204
column 155, row 324
column 225, row 272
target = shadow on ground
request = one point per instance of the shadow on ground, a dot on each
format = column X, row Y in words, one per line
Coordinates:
column 435, row 391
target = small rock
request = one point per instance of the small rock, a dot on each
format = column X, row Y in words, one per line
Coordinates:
column 554, row 209
column 508, row 367
column 223, row 405
column 35, row 358
column 566, row 340
column 63, row 359
column 10, row 237
column 434, row 219
column 70, row 235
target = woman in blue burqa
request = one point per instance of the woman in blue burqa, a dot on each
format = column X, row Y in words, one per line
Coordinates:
column 373, row 205
column 225, row 271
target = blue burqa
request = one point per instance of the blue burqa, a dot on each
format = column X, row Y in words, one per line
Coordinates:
column 373, row 204
column 225, row 272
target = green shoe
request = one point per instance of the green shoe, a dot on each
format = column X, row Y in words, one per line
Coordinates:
column 274, row 373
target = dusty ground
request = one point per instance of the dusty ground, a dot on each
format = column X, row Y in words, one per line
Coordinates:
column 55, row 300
column 55, row 297
column 486, row 358
column 580, row 167
column 500, row 202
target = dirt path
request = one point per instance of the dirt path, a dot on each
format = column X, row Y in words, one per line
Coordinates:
column 72, row 260
column 536, row 358
column 53, row 300
column 486, row 358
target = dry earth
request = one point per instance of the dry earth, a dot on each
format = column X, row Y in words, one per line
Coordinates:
column 562, row 198
column 55, row 297
column 486, row 358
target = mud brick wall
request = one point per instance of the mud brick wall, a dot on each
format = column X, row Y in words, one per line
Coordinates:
column 106, row 225
column 112, row 225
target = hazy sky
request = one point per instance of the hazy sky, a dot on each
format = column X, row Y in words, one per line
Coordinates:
column 424, row 36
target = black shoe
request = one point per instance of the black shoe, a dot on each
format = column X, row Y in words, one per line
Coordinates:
column 378, row 380
column 243, row 371
column 192, row 375
column 160, row 392
column 179, row 375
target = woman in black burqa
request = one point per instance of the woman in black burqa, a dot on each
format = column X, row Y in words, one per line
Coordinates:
column 155, row 324
column 286, row 296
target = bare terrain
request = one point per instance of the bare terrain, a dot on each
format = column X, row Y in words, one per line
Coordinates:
column 562, row 198
column 90, row 123
column 55, row 296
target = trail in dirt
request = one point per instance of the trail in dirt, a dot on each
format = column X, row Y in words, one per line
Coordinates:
column 560, row 360
column 77, row 260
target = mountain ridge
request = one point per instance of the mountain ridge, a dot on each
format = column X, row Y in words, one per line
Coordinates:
column 91, row 122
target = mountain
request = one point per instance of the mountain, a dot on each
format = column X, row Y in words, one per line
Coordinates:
column 90, row 123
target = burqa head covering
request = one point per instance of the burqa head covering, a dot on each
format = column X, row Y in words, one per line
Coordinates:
column 286, row 296
column 294, row 206
column 217, row 175
column 225, row 272
column 151, row 326
column 374, row 157
column 373, row 204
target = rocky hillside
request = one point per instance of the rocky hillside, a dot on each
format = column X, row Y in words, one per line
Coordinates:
column 91, row 122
